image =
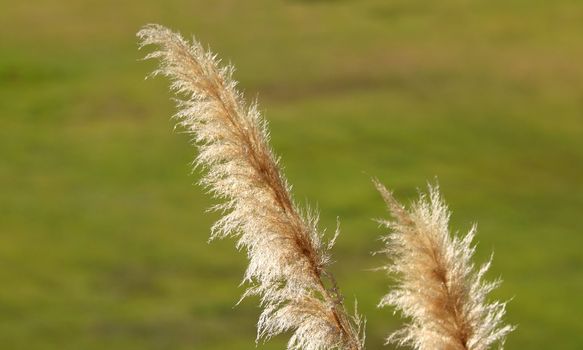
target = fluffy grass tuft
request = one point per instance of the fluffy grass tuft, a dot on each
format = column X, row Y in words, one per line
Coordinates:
column 288, row 258
column 438, row 288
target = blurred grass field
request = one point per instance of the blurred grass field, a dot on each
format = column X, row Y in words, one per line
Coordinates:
column 103, row 235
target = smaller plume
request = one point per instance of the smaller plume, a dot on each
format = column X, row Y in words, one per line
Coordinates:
column 288, row 259
column 438, row 288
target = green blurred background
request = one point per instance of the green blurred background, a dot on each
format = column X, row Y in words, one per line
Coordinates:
column 103, row 235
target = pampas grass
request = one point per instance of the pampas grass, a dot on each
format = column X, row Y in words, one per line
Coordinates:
column 288, row 258
column 438, row 288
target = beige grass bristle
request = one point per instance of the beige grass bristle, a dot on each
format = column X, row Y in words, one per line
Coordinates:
column 288, row 259
column 438, row 288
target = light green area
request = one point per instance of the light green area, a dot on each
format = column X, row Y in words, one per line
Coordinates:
column 103, row 235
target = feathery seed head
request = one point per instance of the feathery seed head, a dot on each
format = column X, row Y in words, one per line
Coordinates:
column 438, row 287
column 287, row 258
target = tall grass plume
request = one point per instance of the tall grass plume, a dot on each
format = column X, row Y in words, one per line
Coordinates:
column 288, row 257
column 438, row 288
